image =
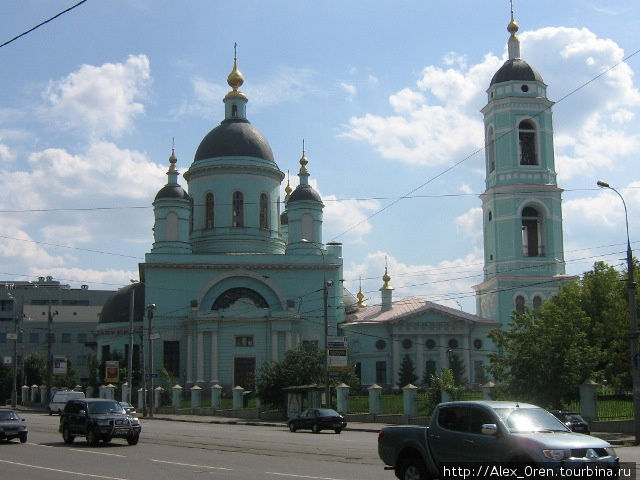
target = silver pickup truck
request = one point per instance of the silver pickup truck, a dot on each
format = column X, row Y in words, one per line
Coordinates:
column 487, row 439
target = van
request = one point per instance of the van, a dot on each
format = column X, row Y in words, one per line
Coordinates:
column 60, row 399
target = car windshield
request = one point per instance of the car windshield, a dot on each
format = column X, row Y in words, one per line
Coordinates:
column 105, row 407
column 519, row 420
column 8, row 415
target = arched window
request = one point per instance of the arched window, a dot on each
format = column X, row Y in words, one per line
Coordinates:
column 172, row 227
column 208, row 211
column 527, row 139
column 234, row 110
column 532, row 245
column 491, row 151
column 537, row 301
column 191, row 215
column 307, row 227
column 520, row 304
column 264, row 211
column 237, row 215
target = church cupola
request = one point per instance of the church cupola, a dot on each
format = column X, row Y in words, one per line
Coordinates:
column 360, row 296
column 304, row 213
column 522, row 211
column 172, row 211
column 235, row 184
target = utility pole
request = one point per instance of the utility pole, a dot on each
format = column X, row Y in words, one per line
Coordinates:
column 130, row 363
column 14, row 394
column 150, row 308
column 327, row 388
column 49, row 353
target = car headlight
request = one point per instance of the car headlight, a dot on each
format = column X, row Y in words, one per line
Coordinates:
column 553, row 454
column 610, row 451
column 135, row 421
column 103, row 421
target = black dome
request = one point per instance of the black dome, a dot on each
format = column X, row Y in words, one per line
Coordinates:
column 116, row 308
column 172, row 191
column 234, row 137
column 516, row 69
column 305, row 192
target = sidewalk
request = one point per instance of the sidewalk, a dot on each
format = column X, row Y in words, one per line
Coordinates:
column 616, row 439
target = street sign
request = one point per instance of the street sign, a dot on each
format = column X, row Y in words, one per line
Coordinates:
column 336, row 342
column 12, row 336
column 154, row 336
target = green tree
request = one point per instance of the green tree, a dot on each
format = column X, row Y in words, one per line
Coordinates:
column 301, row 366
column 35, row 369
column 442, row 381
column 457, row 368
column 406, row 375
column 6, row 382
column 545, row 354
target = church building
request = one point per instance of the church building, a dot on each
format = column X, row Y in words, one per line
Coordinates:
column 238, row 277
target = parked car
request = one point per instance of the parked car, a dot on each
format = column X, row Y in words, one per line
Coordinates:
column 573, row 421
column 130, row 409
column 317, row 419
column 12, row 426
column 57, row 403
column 98, row 419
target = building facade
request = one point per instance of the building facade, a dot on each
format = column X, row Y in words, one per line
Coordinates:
column 49, row 317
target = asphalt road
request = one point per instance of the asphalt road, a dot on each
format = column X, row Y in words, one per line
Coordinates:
column 177, row 450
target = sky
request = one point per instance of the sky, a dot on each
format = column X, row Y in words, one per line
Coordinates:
column 386, row 95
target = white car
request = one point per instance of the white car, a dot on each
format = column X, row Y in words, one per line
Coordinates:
column 60, row 399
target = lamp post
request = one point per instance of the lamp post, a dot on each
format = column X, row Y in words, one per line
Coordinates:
column 130, row 359
column 633, row 328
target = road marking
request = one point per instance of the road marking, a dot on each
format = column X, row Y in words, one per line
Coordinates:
column 61, row 471
column 301, row 476
column 191, row 465
column 83, row 451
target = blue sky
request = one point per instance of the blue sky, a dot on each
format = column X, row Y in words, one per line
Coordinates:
column 386, row 95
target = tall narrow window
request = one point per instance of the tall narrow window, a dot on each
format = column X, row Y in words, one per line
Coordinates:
column 171, row 234
column 264, row 211
column 520, row 304
column 307, row 227
column 208, row 211
column 191, row 215
column 234, row 110
column 527, row 139
column 532, row 245
column 491, row 151
column 537, row 301
column 237, row 216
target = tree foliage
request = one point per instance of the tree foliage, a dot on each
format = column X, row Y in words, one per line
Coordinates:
column 457, row 369
column 301, row 366
column 546, row 353
column 407, row 372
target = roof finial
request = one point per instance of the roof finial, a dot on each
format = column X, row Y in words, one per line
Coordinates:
column 303, row 161
column 287, row 189
column 514, row 43
column 173, row 159
column 386, row 277
column 235, row 78
column 360, row 296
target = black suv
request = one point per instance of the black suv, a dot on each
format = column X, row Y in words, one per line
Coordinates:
column 97, row 419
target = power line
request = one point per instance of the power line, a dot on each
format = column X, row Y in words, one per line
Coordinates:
column 42, row 23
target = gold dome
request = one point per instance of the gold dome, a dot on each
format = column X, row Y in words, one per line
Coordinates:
column 386, row 278
column 235, row 78
column 172, row 161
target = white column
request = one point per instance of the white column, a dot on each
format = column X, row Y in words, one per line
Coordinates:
column 214, row 357
column 395, row 364
column 287, row 340
column 442, row 341
column 200, row 359
column 189, row 359
column 467, row 356
column 274, row 345
column 420, row 357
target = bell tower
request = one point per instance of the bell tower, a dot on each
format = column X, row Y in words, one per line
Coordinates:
column 521, row 204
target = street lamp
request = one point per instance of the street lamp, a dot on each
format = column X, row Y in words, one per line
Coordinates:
column 150, row 308
column 130, row 359
column 633, row 333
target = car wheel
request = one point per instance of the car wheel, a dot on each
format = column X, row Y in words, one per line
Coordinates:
column 106, row 440
column 133, row 440
column 413, row 468
column 292, row 428
column 23, row 438
column 315, row 428
column 50, row 412
column 92, row 437
column 337, row 430
column 66, row 435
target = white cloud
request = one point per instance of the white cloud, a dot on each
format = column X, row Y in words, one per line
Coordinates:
column 110, row 279
column 349, row 88
column 469, row 224
column 66, row 234
column 100, row 100
column 6, row 154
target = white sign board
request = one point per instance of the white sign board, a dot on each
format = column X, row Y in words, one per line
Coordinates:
column 12, row 336
column 336, row 342
column 6, row 360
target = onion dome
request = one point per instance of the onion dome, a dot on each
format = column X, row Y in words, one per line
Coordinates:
column 386, row 278
column 116, row 308
column 235, row 136
column 172, row 189
column 304, row 191
column 515, row 69
column 360, row 296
